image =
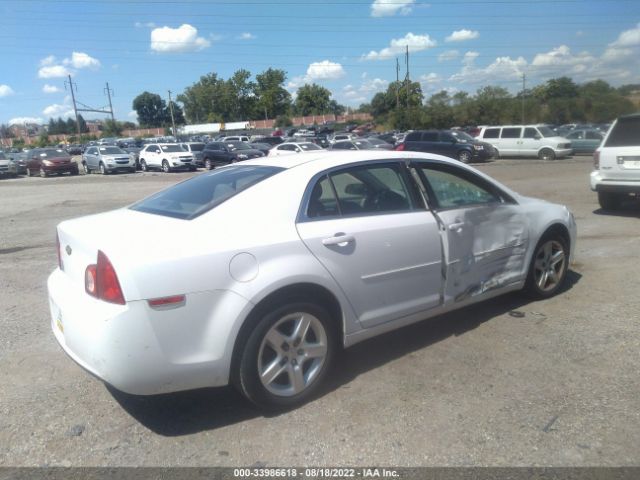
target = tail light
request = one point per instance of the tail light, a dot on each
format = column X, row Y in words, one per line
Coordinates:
column 60, row 264
column 101, row 281
column 400, row 147
column 596, row 160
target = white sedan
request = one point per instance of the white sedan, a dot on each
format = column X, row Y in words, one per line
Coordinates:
column 288, row 260
column 288, row 148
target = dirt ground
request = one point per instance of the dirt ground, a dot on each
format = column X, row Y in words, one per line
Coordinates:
column 507, row 382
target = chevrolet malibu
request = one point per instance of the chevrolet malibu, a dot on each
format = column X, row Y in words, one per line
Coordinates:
column 288, row 260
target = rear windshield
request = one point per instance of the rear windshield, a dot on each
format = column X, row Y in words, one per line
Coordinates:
column 193, row 197
column 171, row 148
column 626, row 133
column 197, row 147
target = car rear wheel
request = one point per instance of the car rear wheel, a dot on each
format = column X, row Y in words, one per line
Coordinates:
column 165, row 166
column 464, row 156
column 609, row 200
column 143, row 166
column 546, row 154
column 75, row 171
column 549, row 266
column 287, row 355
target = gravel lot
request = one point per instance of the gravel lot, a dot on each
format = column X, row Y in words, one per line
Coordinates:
column 508, row 382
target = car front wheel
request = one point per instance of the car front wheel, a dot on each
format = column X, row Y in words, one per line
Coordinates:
column 87, row 170
column 208, row 164
column 143, row 166
column 464, row 156
column 165, row 166
column 549, row 266
column 547, row 154
column 103, row 170
column 287, row 355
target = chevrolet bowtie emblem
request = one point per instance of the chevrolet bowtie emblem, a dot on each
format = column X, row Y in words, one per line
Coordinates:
column 68, row 250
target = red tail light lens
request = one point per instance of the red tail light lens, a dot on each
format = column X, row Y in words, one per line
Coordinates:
column 400, row 147
column 101, row 281
column 596, row 160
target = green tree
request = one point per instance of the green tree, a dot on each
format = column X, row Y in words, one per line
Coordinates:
column 111, row 128
column 283, row 121
column 312, row 100
column 151, row 109
column 272, row 98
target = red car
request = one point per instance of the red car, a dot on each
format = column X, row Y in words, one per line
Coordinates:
column 47, row 161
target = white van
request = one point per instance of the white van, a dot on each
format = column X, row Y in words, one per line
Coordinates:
column 526, row 141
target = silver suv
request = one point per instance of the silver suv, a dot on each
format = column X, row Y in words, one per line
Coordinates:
column 616, row 162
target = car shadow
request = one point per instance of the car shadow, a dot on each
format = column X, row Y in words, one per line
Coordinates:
column 629, row 208
column 185, row 413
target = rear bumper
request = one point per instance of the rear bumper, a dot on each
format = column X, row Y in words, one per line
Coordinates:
column 143, row 351
column 600, row 184
column 564, row 152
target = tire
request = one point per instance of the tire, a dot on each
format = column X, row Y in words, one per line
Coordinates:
column 75, row 171
column 165, row 166
column 143, row 166
column 609, row 200
column 548, row 267
column 464, row 156
column 208, row 164
column 28, row 173
column 192, row 169
column 297, row 374
column 133, row 170
column 547, row 154
column 87, row 170
column 43, row 174
column 103, row 170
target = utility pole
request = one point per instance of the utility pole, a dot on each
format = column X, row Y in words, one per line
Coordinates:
column 524, row 77
column 109, row 92
column 408, row 80
column 75, row 108
column 397, row 84
column 173, row 123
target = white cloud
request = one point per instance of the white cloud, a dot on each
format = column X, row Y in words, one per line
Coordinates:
column 614, row 55
column 82, row 60
column 144, row 25
column 57, row 110
column 177, row 40
column 561, row 60
column 54, row 71
column 462, row 35
column 6, row 90
column 247, row 36
column 502, row 68
column 398, row 46
column 470, row 57
column 23, row 120
column 50, row 60
column 324, row 70
column 387, row 8
column 430, row 78
column 448, row 55
column 356, row 95
column 628, row 38
column 50, row 88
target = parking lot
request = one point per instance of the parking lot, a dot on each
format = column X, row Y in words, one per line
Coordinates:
column 507, row 382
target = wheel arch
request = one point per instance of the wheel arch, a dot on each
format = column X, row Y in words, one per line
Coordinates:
column 304, row 290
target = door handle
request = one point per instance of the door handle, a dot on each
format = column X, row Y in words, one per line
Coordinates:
column 456, row 227
column 338, row 239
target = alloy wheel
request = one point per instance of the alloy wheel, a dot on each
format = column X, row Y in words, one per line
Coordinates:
column 549, row 265
column 292, row 354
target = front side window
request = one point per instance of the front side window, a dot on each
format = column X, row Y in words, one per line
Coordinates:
column 455, row 191
column 193, row 197
column 530, row 133
column 430, row 136
column 594, row 135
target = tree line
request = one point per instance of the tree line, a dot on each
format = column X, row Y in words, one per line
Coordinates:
column 238, row 98
column 557, row 101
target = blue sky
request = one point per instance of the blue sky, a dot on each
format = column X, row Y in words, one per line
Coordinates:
column 347, row 46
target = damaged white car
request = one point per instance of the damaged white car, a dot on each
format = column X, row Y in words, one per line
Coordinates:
column 256, row 273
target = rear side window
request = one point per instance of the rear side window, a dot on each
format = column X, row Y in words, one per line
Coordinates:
column 193, row 197
column 491, row 133
column 511, row 133
column 626, row 133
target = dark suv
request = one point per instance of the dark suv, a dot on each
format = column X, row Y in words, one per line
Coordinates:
column 216, row 154
column 450, row 143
